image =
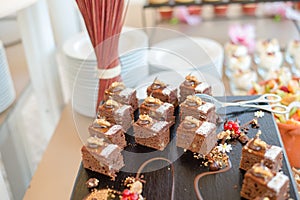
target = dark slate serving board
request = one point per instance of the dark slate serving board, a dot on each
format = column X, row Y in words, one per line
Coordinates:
column 159, row 182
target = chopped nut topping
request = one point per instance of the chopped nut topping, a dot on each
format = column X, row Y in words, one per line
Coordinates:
column 115, row 87
column 111, row 103
column 118, row 84
column 152, row 100
column 193, row 120
column 195, row 99
column 258, row 142
column 145, row 118
column 102, row 122
column 263, row 171
column 191, row 78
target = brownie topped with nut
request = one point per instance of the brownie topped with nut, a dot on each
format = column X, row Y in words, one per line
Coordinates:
column 157, row 109
column 114, row 134
column 195, row 107
column 196, row 136
column 191, row 86
column 118, row 92
column 116, row 113
column 163, row 92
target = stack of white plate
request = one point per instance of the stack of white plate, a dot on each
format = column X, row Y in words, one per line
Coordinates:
column 7, row 90
column 80, row 66
column 187, row 53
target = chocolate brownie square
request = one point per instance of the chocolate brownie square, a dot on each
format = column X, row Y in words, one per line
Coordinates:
column 118, row 92
column 257, row 150
column 152, row 133
column 102, row 157
column 196, row 136
column 116, row 113
column 111, row 133
column 157, row 109
column 163, row 92
column 260, row 181
column 192, row 86
column 195, row 107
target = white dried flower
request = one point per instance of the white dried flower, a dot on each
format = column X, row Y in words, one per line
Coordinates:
column 259, row 114
column 223, row 148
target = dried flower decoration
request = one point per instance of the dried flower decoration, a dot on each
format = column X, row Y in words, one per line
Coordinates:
column 259, row 114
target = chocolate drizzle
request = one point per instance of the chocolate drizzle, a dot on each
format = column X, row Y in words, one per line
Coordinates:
column 138, row 174
column 199, row 176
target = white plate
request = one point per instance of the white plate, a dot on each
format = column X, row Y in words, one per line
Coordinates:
column 186, row 53
column 80, row 47
column 175, row 78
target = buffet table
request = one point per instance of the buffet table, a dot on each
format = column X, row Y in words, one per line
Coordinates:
column 56, row 174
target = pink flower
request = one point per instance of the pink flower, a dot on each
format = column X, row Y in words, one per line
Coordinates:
column 243, row 35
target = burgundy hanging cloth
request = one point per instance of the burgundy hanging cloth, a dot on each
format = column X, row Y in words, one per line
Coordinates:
column 104, row 20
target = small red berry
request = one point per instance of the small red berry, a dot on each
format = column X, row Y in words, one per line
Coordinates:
column 126, row 193
column 229, row 126
column 238, row 132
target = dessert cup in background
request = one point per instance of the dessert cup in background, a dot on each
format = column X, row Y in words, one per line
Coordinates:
column 236, row 58
column 195, row 10
column 241, row 81
column 249, row 9
column 292, row 50
column 166, row 12
column 265, row 46
column 221, row 10
column 268, row 62
column 268, row 56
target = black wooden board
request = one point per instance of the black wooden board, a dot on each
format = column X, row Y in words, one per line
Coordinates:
column 159, row 182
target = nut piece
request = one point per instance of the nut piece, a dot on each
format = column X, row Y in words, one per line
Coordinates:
column 101, row 122
column 118, row 85
column 193, row 120
column 258, row 142
column 111, row 104
column 194, row 99
column 263, row 172
column 152, row 100
column 145, row 119
column 191, row 78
